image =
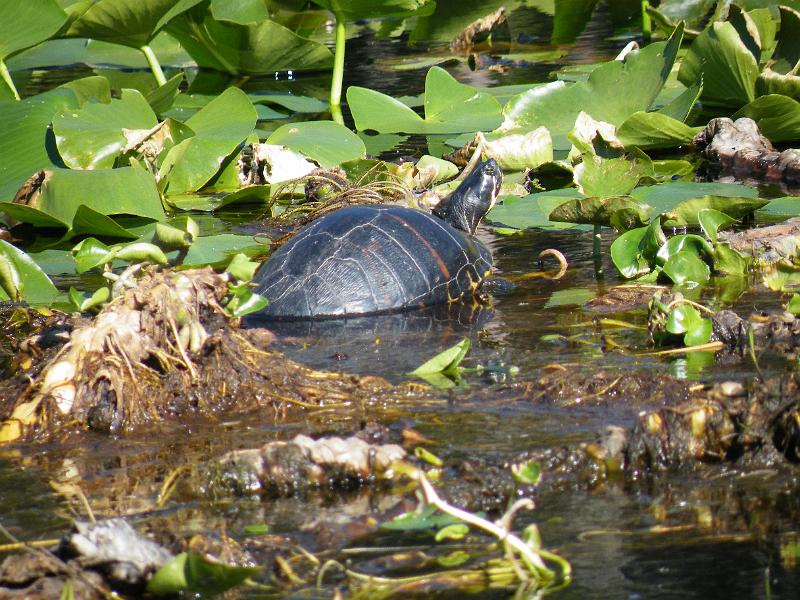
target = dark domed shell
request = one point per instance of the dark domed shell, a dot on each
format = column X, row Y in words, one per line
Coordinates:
column 371, row 259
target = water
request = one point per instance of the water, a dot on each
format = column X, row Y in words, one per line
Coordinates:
column 713, row 533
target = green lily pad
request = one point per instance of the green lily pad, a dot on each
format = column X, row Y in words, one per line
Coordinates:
column 94, row 88
column 728, row 261
column 680, row 106
column 533, row 210
column 649, row 130
column 634, row 252
column 787, row 52
column 577, row 296
column 25, row 146
column 684, row 243
column 603, row 177
column 687, row 212
column 450, row 107
column 92, row 137
column 192, row 574
column 22, row 279
column 228, row 47
column 777, row 116
column 685, row 320
column 161, row 98
column 325, row 142
column 666, row 196
column 23, row 25
column 613, row 92
column 128, row 191
column 242, row 11
column 90, row 222
column 729, row 70
column 711, row 221
column 252, row 194
column 686, row 267
column 355, row 10
column 219, row 250
column 130, row 22
column 219, row 127
column 600, row 211
column 445, row 362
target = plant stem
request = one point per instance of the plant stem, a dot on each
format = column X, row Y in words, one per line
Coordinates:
column 338, row 66
column 7, row 78
column 647, row 27
column 155, row 66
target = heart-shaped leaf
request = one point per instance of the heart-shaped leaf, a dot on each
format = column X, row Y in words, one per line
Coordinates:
column 450, row 107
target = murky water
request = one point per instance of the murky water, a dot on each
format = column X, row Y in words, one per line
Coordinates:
column 712, row 533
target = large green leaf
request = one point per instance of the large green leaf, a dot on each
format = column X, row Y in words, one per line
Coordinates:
column 355, row 10
column 194, row 575
column 450, row 107
column 599, row 211
column 22, row 279
column 688, row 211
column 777, row 116
column 602, row 177
column 125, row 191
column 93, row 136
column 666, row 196
column 533, row 210
column 220, row 127
column 263, row 47
column 129, row 22
column 729, row 70
column 25, row 24
column 26, row 145
column 650, row 130
column 634, row 252
column 240, row 11
column 613, row 92
column 326, row 142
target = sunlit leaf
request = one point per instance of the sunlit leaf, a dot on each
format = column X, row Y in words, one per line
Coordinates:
column 447, row 360
column 634, row 252
column 456, row 531
column 26, row 146
column 728, row 68
column 711, row 221
column 450, row 107
column 649, row 130
column 687, row 212
column 777, row 116
column 219, row 127
column 613, row 92
column 326, row 142
column 353, row 10
column 533, row 210
column 92, row 136
column 684, row 243
column 130, row 22
column 192, row 574
column 263, row 47
column 600, row 211
column 687, row 267
column 427, row 519
column 22, row 279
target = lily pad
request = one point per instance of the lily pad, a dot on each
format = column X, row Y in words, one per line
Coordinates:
column 325, row 142
column 711, row 221
column 634, row 252
column 219, row 250
column 603, row 177
column 729, row 70
column 649, row 130
column 25, row 146
column 25, row 24
column 263, row 47
column 601, row 211
column 354, row 10
column 666, row 196
column 687, row 212
column 130, row 22
column 450, row 107
column 533, row 210
column 686, row 267
column 777, row 116
column 613, row 92
column 192, row 574
column 219, row 127
column 22, row 279
column 93, row 136
column 128, row 190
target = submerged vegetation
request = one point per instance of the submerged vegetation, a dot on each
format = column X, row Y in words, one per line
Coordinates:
column 111, row 188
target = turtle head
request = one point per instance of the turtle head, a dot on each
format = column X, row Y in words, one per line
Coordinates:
column 469, row 203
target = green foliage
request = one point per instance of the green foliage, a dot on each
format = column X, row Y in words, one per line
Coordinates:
column 192, row 574
column 444, row 370
column 450, row 107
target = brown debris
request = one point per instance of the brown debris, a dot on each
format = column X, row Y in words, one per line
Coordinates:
column 737, row 148
column 464, row 41
column 768, row 245
column 165, row 349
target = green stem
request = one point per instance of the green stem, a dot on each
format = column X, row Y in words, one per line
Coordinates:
column 7, row 78
column 647, row 26
column 338, row 63
column 155, row 67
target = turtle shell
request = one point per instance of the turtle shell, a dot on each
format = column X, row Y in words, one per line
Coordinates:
column 371, row 259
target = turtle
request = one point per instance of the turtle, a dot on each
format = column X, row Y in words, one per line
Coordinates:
column 380, row 258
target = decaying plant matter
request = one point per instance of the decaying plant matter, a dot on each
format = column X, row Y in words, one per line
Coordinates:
column 164, row 348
